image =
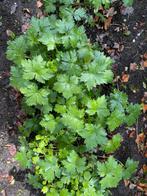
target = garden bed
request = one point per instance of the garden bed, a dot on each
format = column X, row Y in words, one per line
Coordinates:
column 125, row 49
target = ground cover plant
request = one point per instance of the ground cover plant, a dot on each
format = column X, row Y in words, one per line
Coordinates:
column 71, row 120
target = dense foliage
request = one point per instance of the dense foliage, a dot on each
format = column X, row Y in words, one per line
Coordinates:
column 71, row 119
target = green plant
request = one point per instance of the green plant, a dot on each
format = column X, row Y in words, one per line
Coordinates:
column 128, row 2
column 60, row 75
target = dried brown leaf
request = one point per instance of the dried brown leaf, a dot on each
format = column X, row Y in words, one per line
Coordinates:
column 39, row 4
column 107, row 22
column 125, row 78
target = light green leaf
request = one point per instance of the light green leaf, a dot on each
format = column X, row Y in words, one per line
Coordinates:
column 49, row 122
column 98, row 106
column 49, row 40
column 73, row 119
column 36, row 69
column 115, row 119
column 94, row 135
column 97, row 72
column 111, row 173
column 74, row 164
column 131, row 167
column 35, row 96
column 67, row 86
column 112, row 144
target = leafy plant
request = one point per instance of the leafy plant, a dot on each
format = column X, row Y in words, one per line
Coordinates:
column 128, row 2
column 60, row 74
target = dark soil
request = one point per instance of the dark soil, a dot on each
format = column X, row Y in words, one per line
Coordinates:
column 135, row 45
column 9, row 107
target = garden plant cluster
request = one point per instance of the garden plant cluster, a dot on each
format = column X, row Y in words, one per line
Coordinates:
column 69, row 136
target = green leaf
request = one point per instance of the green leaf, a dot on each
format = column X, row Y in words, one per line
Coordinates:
column 49, row 40
column 16, row 50
column 97, row 72
column 133, row 113
column 24, row 158
column 98, row 106
column 49, row 168
column 36, row 69
column 112, row 144
column 64, row 25
column 79, row 14
column 49, row 6
column 86, row 54
column 94, row 135
column 128, row 2
column 66, row 85
column 60, row 108
column 16, row 79
column 35, row 96
column 73, row 119
column 118, row 101
column 74, row 164
column 34, row 181
column 131, row 167
column 115, row 119
column 49, row 122
column 111, row 173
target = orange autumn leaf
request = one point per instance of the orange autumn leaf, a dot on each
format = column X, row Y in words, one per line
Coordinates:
column 107, row 22
column 140, row 138
column 126, row 182
column 10, row 179
column 125, row 78
column 144, row 107
column 145, row 168
column 145, row 63
column 143, row 185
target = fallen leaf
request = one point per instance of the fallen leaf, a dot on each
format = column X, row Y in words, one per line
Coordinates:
column 39, row 4
column 140, row 188
column 10, row 179
column 10, row 33
column 107, row 22
column 126, row 182
column 25, row 27
column 12, row 149
column 145, row 63
column 125, row 78
column 140, row 138
column 145, row 168
column 143, row 185
column 133, row 66
column 26, row 10
column 144, row 107
column 145, row 56
column 132, row 134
